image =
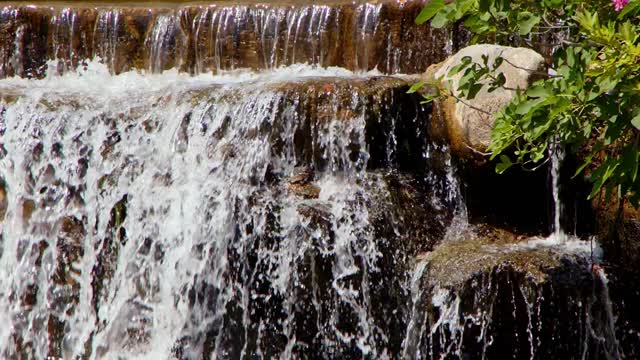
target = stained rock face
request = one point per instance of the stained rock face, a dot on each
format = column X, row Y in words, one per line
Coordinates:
column 220, row 36
column 470, row 121
column 619, row 230
column 509, row 296
column 3, row 200
column 277, row 212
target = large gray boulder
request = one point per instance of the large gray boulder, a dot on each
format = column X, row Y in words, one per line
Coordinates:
column 470, row 121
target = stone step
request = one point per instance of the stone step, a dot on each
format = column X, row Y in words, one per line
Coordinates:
column 220, row 35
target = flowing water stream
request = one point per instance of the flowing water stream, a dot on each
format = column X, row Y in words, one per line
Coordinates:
column 252, row 180
column 150, row 214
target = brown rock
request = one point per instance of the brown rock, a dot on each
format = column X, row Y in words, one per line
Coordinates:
column 307, row 191
column 201, row 38
column 4, row 203
column 618, row 225
column 28, row 207
column 485, row 293
column 302, row 176
column 301, row 184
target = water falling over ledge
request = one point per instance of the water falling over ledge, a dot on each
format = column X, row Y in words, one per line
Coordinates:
column 273, row 204
column 201, row 38
column 251, row 180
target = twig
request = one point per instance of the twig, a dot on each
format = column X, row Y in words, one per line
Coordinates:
column 477, row 151
column 471, row 106
column 502, row 86
column 537, row 72
column 535, row 167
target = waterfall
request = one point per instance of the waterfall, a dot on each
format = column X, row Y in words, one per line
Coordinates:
column 485, row 311
column 252, row 180
column 556, row 156
column 238, row 251
column 65, row 26
column 219, row 37
column 106, row 34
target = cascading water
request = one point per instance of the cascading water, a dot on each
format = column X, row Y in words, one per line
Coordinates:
column 105, row 37
column 200, row 181
column 220, row 36
column 156, row 219
column 556, row 155
column 504, row 294
column 65, row 25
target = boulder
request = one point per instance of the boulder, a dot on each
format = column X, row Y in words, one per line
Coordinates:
column 470, row 121
column 510, row 295
column 301, row 184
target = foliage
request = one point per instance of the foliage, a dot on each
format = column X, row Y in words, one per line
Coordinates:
column 589, row 101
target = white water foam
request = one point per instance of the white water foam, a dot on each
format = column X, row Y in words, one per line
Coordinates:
column 189, row 157
column 94, row 79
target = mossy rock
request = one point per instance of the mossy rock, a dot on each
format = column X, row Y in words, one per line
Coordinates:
column 486, row 293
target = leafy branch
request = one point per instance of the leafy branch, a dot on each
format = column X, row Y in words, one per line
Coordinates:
column 588, row 101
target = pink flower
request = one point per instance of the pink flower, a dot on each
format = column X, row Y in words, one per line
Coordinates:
column 619, row 4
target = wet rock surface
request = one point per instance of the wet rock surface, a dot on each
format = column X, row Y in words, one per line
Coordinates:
column 295, row 212
column 301, row 184
column 3, row 200
column 618, row 227
column 509, row 296
column 212, row 37
column 308, row 210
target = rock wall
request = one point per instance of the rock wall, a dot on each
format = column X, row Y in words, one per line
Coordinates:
column 219, row 36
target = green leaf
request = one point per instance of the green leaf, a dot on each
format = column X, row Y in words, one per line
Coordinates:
column 571, row 57
column 483, row 5
column 461, row 8
column 500, row 80
column 589, row 158
column 440, row 20
column 429, row 11
column 538, row 91
column 415, row 87
column 429, row 98
column 629, row 161
column 485, row 59
column 504, row 164
column 473, row 91
column 554, row 3
column 601, row 175
column 540, row 129
column 587, row 20
column 606, row 83
column 526, row 22
column 464, row 62
column 614, row 129
column 636, row 121
column 631, row 7
column 497, row 62
column 477, row 24
column 628, row 32
column 526, row 106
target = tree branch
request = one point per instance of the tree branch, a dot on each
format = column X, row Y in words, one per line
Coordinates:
column 477, row 151
column 469, row 105
column 532, row 71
